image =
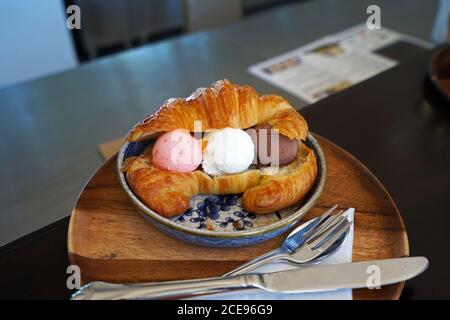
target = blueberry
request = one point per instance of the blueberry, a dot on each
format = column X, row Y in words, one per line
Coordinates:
column 201, row 205
column 214, row 216
column 225, row 207
column 229, row 219
column 201, row 226
column 213, row 208
column 181, row 219
column 202, row 213
column 194, row 220
column 230, row 200
column 248, row 223
column 212, row 199
column 224, row 224
column 189, row 212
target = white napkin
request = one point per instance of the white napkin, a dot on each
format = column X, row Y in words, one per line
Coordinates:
column 343, row 255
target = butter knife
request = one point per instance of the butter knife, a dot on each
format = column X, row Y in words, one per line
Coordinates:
column 307, row 279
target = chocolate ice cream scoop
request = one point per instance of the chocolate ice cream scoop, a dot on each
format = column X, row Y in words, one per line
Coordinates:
column 271, row 147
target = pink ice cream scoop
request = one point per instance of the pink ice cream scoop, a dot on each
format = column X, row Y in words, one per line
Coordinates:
column 177, row 151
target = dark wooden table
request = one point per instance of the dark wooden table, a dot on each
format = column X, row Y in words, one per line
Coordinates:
column 395, row 123
column 398, row 125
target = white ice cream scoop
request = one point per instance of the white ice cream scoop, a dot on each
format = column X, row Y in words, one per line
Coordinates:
column 227, row 151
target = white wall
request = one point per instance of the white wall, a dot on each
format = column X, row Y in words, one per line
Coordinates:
column 34, row 40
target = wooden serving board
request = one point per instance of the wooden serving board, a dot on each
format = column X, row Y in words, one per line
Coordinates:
column 110, row 241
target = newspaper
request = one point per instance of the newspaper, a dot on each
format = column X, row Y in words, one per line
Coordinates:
column 332, row 63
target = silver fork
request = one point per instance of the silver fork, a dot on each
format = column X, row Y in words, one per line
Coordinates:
column 305, row 243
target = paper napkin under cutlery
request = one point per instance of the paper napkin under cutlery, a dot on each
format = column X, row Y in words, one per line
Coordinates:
column 343, row 255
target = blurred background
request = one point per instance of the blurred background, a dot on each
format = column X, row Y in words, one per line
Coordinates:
column 113, row 26
column 107, row 27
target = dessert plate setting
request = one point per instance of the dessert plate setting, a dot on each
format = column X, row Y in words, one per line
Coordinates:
column 249, row 173
column 209, row 202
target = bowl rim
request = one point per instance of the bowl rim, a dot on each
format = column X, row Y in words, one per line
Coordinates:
column 292, row 218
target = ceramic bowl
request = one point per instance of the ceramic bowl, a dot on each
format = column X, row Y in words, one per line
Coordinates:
column 221, row 221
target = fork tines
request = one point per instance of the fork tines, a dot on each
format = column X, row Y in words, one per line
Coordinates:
column 327, row 230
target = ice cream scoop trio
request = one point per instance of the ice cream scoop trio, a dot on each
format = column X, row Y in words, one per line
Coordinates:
column 221, row 140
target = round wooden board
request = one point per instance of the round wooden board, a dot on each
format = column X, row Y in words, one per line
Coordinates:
column 110, row 241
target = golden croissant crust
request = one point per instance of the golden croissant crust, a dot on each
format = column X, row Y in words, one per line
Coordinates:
column 223, row 105
column 288, row 186
column 220, row 106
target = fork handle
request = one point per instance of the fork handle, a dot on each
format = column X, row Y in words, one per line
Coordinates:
column 98, row 290
column 269, row 257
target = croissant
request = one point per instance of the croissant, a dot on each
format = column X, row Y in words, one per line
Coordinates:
column 222, row 105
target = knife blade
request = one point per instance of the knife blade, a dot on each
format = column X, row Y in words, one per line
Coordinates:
column 346, row 275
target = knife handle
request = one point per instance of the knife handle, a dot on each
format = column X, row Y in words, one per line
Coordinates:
column 98, row 290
